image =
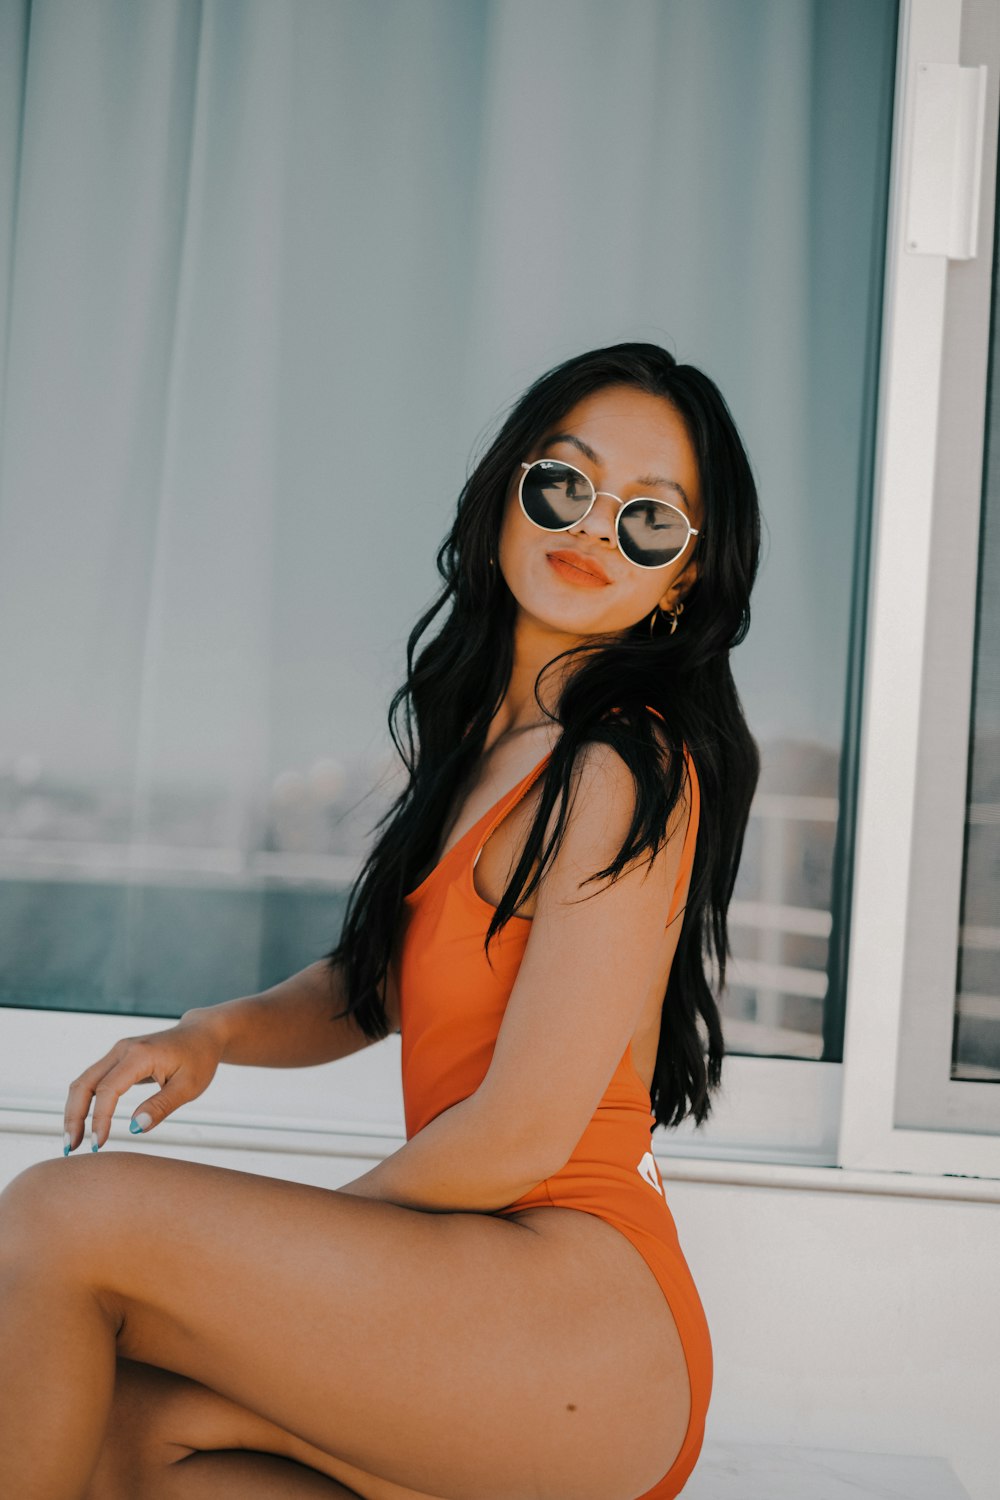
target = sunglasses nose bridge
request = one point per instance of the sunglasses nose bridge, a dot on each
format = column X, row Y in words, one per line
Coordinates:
column 592, row 519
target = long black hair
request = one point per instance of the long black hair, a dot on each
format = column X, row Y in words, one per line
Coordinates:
column 456, row 680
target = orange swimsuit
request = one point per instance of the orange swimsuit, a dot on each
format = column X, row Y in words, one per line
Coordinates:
column 451, row 1007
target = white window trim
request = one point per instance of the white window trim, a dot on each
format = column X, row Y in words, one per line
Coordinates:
column 907, row 874
column 768, row 1110
column 281, row 1120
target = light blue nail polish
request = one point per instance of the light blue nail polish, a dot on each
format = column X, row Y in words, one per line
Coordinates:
column 94, row 1146
column 135, row 1127
column 65, row 1151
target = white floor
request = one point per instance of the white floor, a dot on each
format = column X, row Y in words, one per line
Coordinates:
column 751, row 1471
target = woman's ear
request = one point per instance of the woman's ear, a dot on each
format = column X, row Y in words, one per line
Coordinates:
column 679, row 587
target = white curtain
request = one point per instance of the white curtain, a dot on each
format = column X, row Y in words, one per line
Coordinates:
column 272, row 274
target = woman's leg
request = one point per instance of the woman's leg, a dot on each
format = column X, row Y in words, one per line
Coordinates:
column 454, row 1354
column 163, row 1425
column 243, row 1476
column 227, row 1476
column 141, row 1458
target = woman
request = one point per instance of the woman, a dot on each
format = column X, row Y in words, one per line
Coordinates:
column 500, row 1309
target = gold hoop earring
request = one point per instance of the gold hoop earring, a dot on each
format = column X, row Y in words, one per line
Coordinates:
column 674, row 616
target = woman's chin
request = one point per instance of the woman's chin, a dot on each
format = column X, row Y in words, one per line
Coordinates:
column 577, row 625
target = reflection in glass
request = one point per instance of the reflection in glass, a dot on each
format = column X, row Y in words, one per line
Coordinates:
column 218, row 513
column 976, row 1045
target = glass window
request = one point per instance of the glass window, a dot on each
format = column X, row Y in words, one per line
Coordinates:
column 241, row 397
column 976, row 1047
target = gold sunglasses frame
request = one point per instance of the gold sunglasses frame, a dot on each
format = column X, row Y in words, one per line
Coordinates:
column 636, row 499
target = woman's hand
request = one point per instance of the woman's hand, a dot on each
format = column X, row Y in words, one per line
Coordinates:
column 182, row 1059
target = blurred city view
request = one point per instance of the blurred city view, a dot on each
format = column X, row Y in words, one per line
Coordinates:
column 91, row 919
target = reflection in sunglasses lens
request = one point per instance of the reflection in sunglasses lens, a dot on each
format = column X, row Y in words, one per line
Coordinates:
column 652, row 533
column 554, row 495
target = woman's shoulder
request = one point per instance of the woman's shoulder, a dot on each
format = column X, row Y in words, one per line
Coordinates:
column 652, row 719
column 617, row 817
column 605, row 768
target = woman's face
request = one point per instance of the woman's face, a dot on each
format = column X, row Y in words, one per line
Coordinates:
column 577, row 582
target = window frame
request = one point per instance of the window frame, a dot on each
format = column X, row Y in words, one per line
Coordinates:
column 917, row 705
column 780, row 1110
column 788, row 1112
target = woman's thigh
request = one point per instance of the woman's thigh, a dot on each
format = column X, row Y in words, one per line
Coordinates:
column 458, row 1354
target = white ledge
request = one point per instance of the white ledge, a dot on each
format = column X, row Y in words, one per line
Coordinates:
column 374, row 1141
column 827, row 1179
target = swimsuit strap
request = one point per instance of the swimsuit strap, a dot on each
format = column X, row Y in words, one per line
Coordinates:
column 509, row 800
column 495, row 813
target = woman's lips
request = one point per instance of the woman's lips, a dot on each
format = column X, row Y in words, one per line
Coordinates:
column 577, row 569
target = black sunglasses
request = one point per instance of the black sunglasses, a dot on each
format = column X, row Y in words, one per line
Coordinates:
column 650, row 533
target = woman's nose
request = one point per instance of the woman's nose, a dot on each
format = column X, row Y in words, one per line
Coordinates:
column 600, row 519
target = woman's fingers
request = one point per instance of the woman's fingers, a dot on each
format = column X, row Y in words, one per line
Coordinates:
column 81, row 1091
column 108, row 1092
column 182, row 1062
column 158, row 1106
column 129, row 1062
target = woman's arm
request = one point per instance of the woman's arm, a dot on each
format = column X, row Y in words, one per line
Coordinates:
column 468, row 1158
column 289, row 1025
column 589, row 968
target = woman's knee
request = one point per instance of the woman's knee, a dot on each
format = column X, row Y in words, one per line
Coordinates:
column 55, row 1208
column 26, row 1206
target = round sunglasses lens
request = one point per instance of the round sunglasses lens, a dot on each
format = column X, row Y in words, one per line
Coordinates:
column 651, row 532
column 554, row 495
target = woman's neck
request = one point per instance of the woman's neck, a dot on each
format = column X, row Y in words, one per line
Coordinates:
column 534, row 648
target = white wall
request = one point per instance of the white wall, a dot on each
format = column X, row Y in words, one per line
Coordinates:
column 849, row 1320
